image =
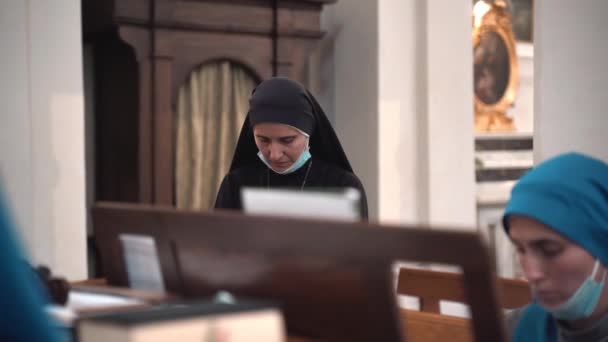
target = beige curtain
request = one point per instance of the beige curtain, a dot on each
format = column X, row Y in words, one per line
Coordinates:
column 211, row 108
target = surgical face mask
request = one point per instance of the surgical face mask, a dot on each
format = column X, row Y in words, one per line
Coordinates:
column 583, row 302
column 302, row 159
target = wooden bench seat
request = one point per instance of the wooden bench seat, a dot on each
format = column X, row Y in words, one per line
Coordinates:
column 432, row 286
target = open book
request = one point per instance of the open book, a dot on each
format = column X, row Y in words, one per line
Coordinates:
column 84, row 302
column 187, row 322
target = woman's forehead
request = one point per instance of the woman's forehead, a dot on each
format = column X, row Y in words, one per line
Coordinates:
column 273, row 129
column 525, row 228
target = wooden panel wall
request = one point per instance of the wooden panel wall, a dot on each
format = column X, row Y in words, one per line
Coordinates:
column 137, row 90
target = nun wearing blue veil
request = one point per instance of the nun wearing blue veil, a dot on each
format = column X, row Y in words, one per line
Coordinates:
column 557, row 218
column 22, row 300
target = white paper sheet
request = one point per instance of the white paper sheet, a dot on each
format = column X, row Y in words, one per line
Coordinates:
column 340, row 205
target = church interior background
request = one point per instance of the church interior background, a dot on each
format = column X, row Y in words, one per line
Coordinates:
column 403, row 83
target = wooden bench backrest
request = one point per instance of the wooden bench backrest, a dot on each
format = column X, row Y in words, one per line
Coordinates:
column 425, row 327
column 433, row 286
column 321, row 272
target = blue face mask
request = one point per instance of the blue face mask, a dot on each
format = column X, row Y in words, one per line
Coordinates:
column 583, row 301
column 302, row 159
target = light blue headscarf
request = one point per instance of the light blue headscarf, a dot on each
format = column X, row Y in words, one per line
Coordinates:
column 569, row 194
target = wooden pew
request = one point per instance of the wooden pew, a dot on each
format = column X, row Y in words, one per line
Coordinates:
column 418, row 326
column 333, row 279
column 428, row 327
column 433, row 286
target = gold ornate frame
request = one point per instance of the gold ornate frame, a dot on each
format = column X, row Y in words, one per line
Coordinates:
column 496, row 18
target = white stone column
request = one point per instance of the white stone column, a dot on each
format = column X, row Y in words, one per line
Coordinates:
column 449, row 134
column 426, row 112
column 348, row 85
column 42, row 130
column 571, row 78
column 396, row 79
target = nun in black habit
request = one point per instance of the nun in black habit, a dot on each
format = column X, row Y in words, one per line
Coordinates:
column 286, row 141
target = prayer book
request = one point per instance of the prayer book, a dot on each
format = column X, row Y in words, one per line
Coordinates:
column 187, row 322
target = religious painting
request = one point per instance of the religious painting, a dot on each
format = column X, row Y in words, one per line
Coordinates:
column 491, row 68
column 495, row 71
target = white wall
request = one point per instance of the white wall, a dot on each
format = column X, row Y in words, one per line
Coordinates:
column 15, row 143
column 349, row 85
column 523, row 110
column 42, row 129
column 571, row 77
column 401, row 62
column 425, row 112
column 451, row 182
column 397, row 75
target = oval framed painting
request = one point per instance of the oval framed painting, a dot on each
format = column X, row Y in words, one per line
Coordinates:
column 495, row 69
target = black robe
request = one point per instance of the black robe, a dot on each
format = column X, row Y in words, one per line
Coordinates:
column 321, row 175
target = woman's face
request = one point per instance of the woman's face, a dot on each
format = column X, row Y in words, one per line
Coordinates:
column 554, row 266
column 280, row 144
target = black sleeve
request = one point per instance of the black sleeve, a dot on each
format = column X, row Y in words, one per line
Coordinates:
column 353, row 182
column 228, row 195
column 364, row 214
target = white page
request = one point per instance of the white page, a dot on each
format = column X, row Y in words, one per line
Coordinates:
column 78, row 301
column 142, row 262
column 327, row 205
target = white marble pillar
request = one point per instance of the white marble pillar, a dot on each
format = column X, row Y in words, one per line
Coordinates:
column 42, row 130
column 571, row 78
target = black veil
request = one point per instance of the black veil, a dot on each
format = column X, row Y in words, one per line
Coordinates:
column 285, row 101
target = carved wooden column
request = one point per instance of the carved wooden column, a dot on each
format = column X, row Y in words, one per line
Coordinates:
column 298, row 32
column 162, row 120
column 153, row 51
column 140, row 39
